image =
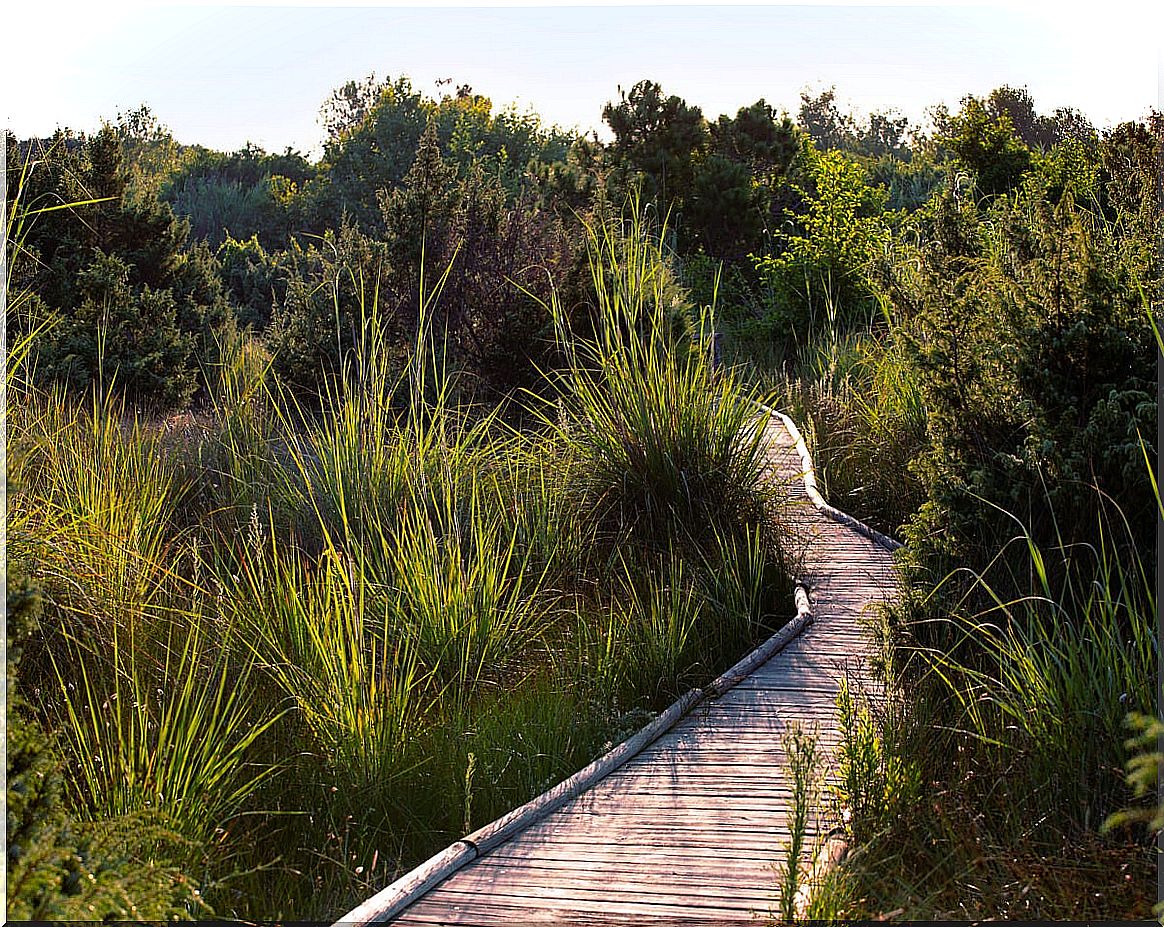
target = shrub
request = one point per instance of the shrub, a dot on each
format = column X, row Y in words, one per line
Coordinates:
column 1031, row 365
column 255, row 280
column 123, row 300
column 821, row 281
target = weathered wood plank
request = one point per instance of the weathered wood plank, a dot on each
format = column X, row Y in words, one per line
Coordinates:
column 696, row 864
column 696, row 868
column 649, row 888
column 572, row 900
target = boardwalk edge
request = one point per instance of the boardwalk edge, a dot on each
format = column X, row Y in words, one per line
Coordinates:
column 829, row 854
column 492, row 835
column 818, row 500
column 772, row 646
column 392, row 900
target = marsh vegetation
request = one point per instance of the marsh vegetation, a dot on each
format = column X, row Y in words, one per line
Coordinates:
column 355, row 502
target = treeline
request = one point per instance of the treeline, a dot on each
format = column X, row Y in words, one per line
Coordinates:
column 1018, row 250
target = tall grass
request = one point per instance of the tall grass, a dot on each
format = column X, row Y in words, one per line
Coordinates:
column 323, row 639
column 668, row 440
column 106, row 498
column 1004, row 755
column 1063, row 666
column 173, row 738
column 859, row 403
column 154, row 711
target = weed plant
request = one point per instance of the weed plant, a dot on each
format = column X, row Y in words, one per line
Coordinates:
column 800, row 746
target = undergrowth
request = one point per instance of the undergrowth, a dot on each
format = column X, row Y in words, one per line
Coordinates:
column 985, row 781
column 321, row 642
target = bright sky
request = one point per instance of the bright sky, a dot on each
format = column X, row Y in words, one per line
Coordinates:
column 225, row 75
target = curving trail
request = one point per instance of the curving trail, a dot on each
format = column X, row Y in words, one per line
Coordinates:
column 692, row 826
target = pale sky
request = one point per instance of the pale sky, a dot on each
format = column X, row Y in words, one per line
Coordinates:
column 225, row 75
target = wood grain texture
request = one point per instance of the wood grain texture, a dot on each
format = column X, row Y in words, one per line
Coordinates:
column 692, row 828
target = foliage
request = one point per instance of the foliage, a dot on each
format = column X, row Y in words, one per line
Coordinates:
column 1037, row 130
column 859, row 404
column 743, row 183
column 1143, row 773
column 824, row 122
column 255, row 279
column 821, row 280
column 239, row 195
column 804, row 761
column 124, row 300
column 766, row 142
column 725, row 211
column 1130, row 157
column 320, row 322
column 909, row 184
column 495, row 259
column 149, row 152
column 883, row 134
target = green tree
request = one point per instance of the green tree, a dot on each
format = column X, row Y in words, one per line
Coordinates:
column 373, row 138
column 725, row 211
column 986, row 143
column 483, row 245
column 1131, row 157
column 240, row 194
column 255, row 279
column 1035, row 355
column 374, row 133
column 658, row 138
column 1038, row 130
column 884, row 135
column 756, row 136
column 132, row 303
column 822, row 279
column 824, row 122
column 333, row 286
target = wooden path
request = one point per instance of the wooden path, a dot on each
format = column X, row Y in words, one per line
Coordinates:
column 693, row 827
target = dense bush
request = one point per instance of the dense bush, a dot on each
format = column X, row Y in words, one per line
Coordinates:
column 482, row 264
column 321, row 318
column 374, row 136
column 126, row 301
column 821, row 279
column 987, row 144
column 239, row 195
column 1035, row 349
column 254, row 278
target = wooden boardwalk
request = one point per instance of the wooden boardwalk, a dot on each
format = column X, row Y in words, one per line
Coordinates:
column 694, row 826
